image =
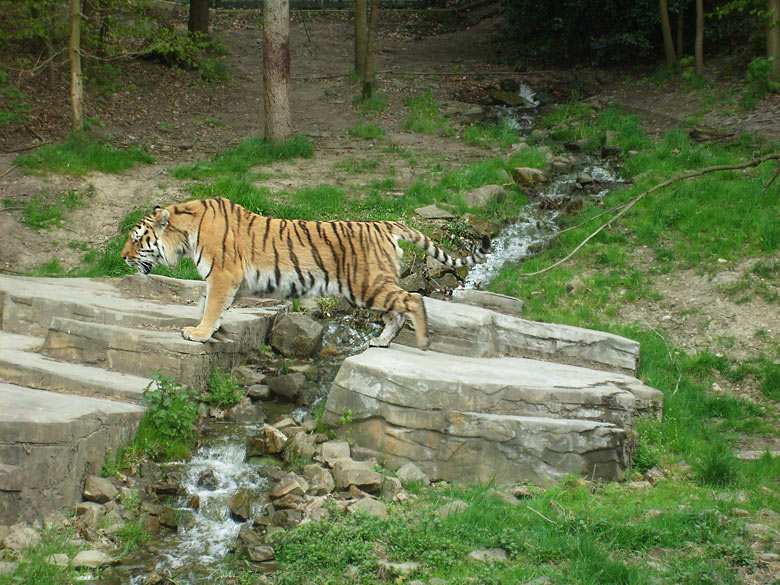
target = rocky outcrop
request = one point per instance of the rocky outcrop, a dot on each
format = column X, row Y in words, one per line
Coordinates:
column 462, row 413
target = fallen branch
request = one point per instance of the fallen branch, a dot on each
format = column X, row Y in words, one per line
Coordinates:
column 772, row 180
column 681, row 177
column 8, row 170
column 542, row 515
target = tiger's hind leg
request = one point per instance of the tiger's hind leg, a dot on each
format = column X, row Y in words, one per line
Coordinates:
column 394, row 322
column 404, row 304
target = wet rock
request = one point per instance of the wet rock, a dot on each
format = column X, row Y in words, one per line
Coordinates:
column 289, row 501
column 246, row 412
column 454, row 507
column 151, row 524
column 331, row 451
column 320, row 479
column 292, row 483
column 91, row 559
column 248, row 376
column 296, row 335
column 88, row 514
column 369, row 506
column 584, row 179
column 329, row 351
column 258, row 392
column 581, row 145
column 99, row 489
column 288, row 386
column 267, row 567
column 255, row 446
column 300, row 446
column 167, row 487
column 240, row 505
column 410, row 472
column 288, row 518
column 482, row 196
column 20, row 536
column 208, row 479
column 311, row 371
column 609, row 151
column 481, row 225
column 488, row 555
column 275, row 440
column 347, row 472
column 528, row 176
column 264, row 515
column 194, row 502
column 433, row 212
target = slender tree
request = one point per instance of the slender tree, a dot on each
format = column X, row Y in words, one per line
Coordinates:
column 74, row 51
column 361, row 36
column 773, row 37
column 666, row 29
column 276, row 70
column 198, row 21
column 368, row 69
column 699, row 45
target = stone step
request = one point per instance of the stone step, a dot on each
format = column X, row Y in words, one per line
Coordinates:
column 29, row 304
column 22, row 363
column 144, row 352
column 469, row 447
column 403, row 384
column 467, row 330
column 49, row 442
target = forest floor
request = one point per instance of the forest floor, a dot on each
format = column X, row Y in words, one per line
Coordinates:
column 180, row 119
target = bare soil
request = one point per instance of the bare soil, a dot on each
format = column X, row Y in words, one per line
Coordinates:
column 458, row 57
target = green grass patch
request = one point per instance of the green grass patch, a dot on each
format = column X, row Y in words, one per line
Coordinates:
column 48, row 211
column 367, row 131
column 372, row 106
column 489, row 135
column 79, row 155
column 425, row 117
column 250, row 153
column 356, row 166
column 35, row 566
column 224, row 390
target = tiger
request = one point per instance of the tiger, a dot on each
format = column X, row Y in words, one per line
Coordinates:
column 237, row 251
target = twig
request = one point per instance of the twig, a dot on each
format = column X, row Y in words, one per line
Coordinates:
column 537, row 512
column 772, row 180
column 8, row 170
column 30, row 147
column 689, row 175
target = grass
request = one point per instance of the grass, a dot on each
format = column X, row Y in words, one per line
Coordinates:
column 47, row 211
column 494, row 134
column 78, row 155
column 34, row 566
column 224, row 390
column 367, row 131
column 249, row 153
column 425, row 117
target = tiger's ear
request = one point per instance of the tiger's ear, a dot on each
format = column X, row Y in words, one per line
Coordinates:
column 161, row 216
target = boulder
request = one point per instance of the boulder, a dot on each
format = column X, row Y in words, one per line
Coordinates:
column 302, row 445
column 361, row 474
column 454, row 507
column 275, row 440
column 88, row 513
column 488, row 555
column 258, row 391
column 240, row 505
column 260, row 553
column 91, row 559
column 291, row 483
column 433, row 212
column 296, row 335
column 488, row 300
column 320, row 479
column 410, row 472
column 288, row 387
column 528, row 176
column 484, row 195
column 331, row 451
column 392, row 490
column 369, row 506
column 20, row 536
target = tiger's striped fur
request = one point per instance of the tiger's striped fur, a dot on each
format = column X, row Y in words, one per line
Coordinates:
column 234, row 249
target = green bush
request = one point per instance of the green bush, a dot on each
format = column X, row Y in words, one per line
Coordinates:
column 167, row 429
column 224, row 389
column 13, row 107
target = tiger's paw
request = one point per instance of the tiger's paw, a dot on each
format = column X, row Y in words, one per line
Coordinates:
column 378, row 342
column 195, row 334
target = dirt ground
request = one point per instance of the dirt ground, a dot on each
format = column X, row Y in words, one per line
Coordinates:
column 181, row 120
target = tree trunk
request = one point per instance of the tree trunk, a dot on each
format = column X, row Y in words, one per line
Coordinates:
column 276, row 70
column 368, row 69
column 666, row 29
column 773, row 38
column 199, row 17
column 680, row 51
column 361, row 36
column 74, row 51
column 699, row 48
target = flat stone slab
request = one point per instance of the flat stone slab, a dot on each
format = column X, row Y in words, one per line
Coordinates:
column 467, row 330
column 405, row 386
column 22, row 364
column 52, row 441
column 29, row 304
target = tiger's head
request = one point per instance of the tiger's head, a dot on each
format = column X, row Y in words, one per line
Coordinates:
column 144, row 247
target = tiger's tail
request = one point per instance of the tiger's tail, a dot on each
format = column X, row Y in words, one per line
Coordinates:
column 425, row 244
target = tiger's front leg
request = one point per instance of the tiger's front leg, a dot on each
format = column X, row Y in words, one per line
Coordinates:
column 220, row 292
